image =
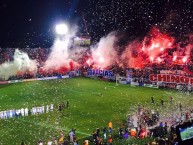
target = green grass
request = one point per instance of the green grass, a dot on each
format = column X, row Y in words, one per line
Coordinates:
column 93, row 103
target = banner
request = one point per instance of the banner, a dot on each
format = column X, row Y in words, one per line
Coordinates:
column 150, row 86
column 99, row 72
column 29, row 80
column 47, row 78
column 170, row 78
column 15, row 81
column 65, row 77
column 3, row 82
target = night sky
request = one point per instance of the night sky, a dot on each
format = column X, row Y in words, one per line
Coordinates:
column 30, row 23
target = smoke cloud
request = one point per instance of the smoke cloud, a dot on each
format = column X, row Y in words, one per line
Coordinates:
column 156, row 47
column 104, row 53
column 59, row 59
column 20, row 64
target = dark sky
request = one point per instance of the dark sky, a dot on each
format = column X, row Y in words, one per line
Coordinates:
column 30, row 23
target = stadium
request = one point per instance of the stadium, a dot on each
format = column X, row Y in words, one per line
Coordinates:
column 76, row 100
column 131, row 86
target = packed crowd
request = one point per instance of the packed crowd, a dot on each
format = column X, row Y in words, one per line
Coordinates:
column 147, row 122
column 97, row 138
column 40, row 54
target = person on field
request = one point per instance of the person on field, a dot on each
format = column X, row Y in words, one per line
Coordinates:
column 51, row 107
column 104, row 133
column 26, row 111
column 60, row 107
column 67, row 104
column 110, row 126
column 180, row 106
column 152, row 100
column 22, row 142
column 171, row 99
column 22, row 112
column 47, row 108
column 162, row 102
column 43, row 109
column 71, row 135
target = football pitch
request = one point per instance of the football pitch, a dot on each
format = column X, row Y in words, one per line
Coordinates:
column 92, row 104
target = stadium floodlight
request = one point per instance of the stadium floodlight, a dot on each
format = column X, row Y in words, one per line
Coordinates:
column 61, row 29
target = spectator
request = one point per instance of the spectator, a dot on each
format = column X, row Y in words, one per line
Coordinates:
column 126, row 135
column 95, row 137
column 161, row 124
column 98, row 132
column 71, row 135
column 40, row 142
column 49, row 142
column 110, row 140
column 166, row 128
column 75, row 142
column 86, row 142
column 22, row 142
column 121, row 133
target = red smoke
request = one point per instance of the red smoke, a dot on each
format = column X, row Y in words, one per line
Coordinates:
column 156, row 48
column 157, row 43
column 152, row 49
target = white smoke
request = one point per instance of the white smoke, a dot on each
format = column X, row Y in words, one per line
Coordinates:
column 21, row 63
column 60, row 55
column 104, row 53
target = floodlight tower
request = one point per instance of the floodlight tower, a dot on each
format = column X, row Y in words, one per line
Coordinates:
column 61, row 30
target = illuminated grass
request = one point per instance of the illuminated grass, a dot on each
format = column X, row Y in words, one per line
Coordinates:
column 93, row 103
